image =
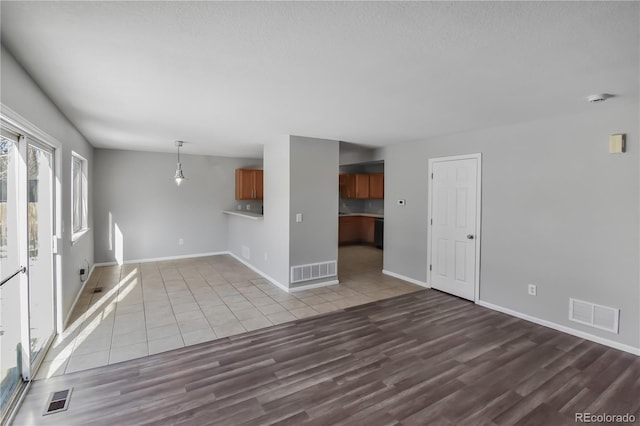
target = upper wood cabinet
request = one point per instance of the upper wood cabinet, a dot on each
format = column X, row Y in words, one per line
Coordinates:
column 344, row 184
column 361, row 185
column 376, row 186
column 249, row 184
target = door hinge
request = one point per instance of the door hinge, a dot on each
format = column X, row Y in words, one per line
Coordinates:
column 431, row 221
column 431, row 176
column 430, row 267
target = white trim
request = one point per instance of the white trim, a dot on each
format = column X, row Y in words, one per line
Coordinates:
column 478, row 233
column 405, row 278
column 244, row 214
column 23, row 125
column 161, row 259
column 73, row 305
column 562, row 328
column 77, row 235
column 254, row 269
column 84, row 169
column 23, row 255
column 316, row 285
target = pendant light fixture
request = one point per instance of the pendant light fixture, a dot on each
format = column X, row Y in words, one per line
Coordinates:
column 179, row 177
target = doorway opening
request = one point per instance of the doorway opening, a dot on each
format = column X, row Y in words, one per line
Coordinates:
column 361, row 216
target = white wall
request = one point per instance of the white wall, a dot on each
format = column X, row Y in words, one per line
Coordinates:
column 558, row 211
column 140, row 201
column 22, row 95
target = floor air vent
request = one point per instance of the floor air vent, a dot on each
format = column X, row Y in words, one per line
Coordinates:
column 58, row 401
column 313, row 271
column 598, row 316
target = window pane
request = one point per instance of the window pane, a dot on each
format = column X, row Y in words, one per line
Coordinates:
column 33, row 169
column 11, row 313
column 77, row 194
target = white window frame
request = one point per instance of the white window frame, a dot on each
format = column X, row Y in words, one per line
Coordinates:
column 84, row 224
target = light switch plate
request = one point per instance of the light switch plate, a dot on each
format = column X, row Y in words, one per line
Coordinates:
column 298, row 217
column 617, row 144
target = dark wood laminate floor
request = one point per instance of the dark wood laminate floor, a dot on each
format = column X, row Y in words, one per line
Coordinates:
column 425, row 358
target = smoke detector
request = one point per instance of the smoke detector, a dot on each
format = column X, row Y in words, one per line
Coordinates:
column 598, row 98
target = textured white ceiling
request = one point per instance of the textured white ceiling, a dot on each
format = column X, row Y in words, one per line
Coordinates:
column 230, row 76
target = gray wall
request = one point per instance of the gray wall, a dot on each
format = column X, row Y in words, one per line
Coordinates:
column 314, row 193
column 300, row 176
column 351, row 153
column 558, row 211
column 152, row 213
column 22, row 95
column 277, row 155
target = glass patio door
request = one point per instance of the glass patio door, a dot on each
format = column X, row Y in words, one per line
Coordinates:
column 40, row 242
column 27, row 305
column 11, row 315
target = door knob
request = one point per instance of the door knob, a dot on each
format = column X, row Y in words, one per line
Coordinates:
column 469, row 237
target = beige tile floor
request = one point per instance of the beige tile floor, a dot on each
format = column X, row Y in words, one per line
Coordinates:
column 149, row 308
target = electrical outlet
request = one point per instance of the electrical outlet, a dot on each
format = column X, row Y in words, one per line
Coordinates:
column 248, row 207
column 180, row 241
column 532, row 289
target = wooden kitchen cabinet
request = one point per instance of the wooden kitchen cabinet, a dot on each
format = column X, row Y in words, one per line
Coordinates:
column 354, row 185
column 367, row 229
column 249, row 184
column 348, row 229
column 346, row 183
column 376, row 186
column 362, row 186
column 356, row 230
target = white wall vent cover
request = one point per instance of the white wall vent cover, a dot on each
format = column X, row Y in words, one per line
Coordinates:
column 598, row 316
column 313, row 271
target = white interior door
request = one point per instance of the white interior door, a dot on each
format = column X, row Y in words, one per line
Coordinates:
column 454, row 220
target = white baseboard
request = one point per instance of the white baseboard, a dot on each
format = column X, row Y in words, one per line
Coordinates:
column 161, row 259
column 254, row 269
column 562, row 328
column 73, row 305
column 405, row 278
column 314, row 285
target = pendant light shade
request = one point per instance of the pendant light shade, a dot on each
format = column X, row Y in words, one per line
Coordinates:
column 179, row 176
